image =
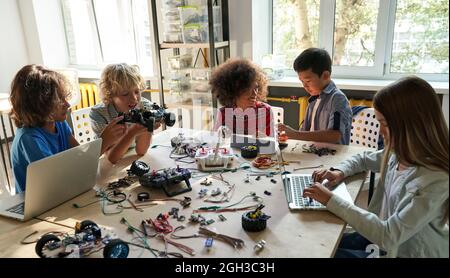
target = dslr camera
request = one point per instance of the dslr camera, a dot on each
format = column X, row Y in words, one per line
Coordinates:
column 149, row 118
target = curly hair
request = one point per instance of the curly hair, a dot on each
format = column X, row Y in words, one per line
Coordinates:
column 35, row 93
column 117, row 77
column 234, row 77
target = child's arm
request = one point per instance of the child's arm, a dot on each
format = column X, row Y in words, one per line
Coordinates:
column 426, row 205
column 144, row 140
column 118, row 150
column 327, row 136
column 111, row 133
column 73, row 142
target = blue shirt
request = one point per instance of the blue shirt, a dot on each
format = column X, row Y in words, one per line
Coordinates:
column 31, row 144
column 333, row 113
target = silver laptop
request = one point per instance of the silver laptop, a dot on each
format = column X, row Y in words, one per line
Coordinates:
column 267, row 145
column 294, row 184
column 54, row 180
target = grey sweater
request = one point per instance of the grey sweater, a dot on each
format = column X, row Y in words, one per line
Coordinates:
column 419, row 225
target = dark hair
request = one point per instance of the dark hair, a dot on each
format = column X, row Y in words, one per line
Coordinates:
column 316, row 59
column 35, row 94
column 235, row 76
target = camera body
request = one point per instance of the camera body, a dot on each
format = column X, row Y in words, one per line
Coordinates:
column 149, row 118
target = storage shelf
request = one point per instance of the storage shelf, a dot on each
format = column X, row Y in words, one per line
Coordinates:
column 217, row 45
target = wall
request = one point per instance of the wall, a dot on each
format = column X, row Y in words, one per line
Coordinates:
column 13, row 50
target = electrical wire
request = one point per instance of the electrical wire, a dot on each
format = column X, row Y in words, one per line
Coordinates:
column 138, row 232
column 235, row 242
column 229, row 208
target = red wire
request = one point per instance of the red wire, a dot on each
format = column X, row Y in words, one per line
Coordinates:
column 161, row 225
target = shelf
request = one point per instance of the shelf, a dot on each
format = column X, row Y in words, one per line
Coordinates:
column 217, row 45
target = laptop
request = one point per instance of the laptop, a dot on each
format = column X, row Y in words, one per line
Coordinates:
column 267, row 145
column 54, row 180
column 294, row 184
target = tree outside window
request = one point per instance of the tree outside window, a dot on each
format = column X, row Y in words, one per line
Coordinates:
column 419, row 43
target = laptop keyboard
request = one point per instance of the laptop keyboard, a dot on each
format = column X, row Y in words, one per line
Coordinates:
column 298, row 184
column 17, row 208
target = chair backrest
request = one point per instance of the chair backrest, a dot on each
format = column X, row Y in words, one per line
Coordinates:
column 365, row 129
column 278, row 114
column 82, row 128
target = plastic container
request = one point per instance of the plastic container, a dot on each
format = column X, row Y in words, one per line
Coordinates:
column 179, row 81
column 171, row 15
column 173, row 37
column 179, row 85
column 195, row 33
column 200, row 74
column 200, row 86
column 173, row 27
column 193, row 15
column 173, row 4
column 180, row 62
column 196, row 2
column 200, row 98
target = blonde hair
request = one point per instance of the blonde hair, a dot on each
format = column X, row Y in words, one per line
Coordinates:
column 117, row 77
column 417, row 129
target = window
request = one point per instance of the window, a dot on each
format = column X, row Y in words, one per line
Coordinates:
column 367, row 38
column 355, row 32
column 295, row 25
column 421, row 37
column 101, row 32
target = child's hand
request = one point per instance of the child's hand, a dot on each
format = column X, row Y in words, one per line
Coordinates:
column 113, row 132
column 157, row 125
column 319, row 193
column 333, row 177
column 289, row 130
column 136, row 129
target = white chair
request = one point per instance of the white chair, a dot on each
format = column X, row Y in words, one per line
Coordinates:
column 365, row 129
column 82, row 128
column 366, row 133
column 278, row 114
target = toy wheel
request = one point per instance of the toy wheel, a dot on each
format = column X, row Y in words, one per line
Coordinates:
column 117, row 249
column 253, row 225
column 139, row 168
column 87, row 224
column 47, row 245
column 90, row 227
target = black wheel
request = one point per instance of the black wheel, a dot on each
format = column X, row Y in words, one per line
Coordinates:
column 87, row 224
column 253, row 225
column 90, row 227
column 116, row 249
column 139, row 168
column 46, row 244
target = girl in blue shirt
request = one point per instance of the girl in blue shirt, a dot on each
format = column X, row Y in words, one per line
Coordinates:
column 39, row 109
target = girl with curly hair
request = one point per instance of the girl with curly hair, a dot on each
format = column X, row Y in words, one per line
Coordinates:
column 240, row 87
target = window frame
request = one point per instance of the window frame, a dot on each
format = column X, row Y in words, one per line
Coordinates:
column 383, row 44
column 139, row 54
